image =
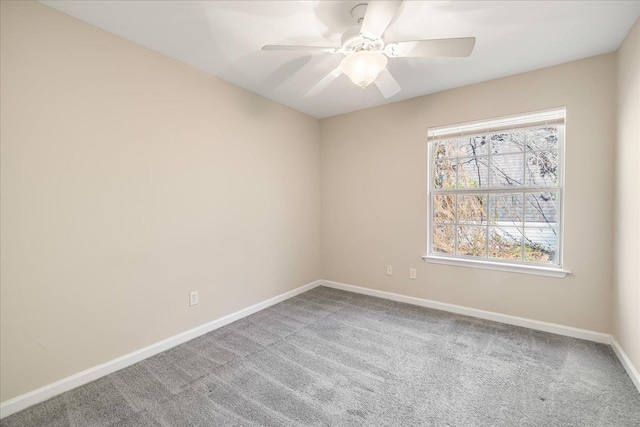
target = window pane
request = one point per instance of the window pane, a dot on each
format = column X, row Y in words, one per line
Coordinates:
column 540, row 245
column 473, row 146
column 505, row 209
column 544, row 138
column 505, row 243
column 541, row 209
column 542, row 168
column 472, row 240
column 444, row 149
column 472, row 208
column 444, row 208
column 444, row 239
column 507, row 170
column 473, row 172
column 504, row 143
column 444, row 174
column 497, row 195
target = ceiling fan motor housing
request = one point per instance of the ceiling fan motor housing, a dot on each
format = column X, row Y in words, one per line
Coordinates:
column 353, row 41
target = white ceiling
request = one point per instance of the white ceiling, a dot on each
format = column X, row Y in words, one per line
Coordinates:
column 224, row 38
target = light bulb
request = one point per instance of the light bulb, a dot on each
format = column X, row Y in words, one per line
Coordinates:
column 363, row 67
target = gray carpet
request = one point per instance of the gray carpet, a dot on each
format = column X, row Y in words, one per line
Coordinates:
column 333, row 358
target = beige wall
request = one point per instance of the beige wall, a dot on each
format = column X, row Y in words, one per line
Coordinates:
column 128, row 180
column 626, row 297
column 373, row 169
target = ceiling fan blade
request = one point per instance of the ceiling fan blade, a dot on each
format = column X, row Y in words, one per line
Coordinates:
column 435, row 48
column 378, row 17
column 324, row 82
column 387, row 85
column 307, row 48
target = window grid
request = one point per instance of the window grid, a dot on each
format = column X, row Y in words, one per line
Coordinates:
column 540, row 150
column 522, row 190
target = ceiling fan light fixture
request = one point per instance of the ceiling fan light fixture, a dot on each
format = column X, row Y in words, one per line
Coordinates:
column 363, row 67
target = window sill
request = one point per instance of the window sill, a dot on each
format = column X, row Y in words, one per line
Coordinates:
column 500, row 266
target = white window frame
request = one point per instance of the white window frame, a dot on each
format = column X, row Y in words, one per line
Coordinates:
column 537, row 119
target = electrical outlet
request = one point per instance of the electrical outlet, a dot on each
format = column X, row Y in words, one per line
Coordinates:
column 193, row 298
column 412, row 273
column 389, row 270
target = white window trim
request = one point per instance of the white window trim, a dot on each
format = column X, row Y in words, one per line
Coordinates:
column 490, row 126
column 518, row 121
column 487, row 264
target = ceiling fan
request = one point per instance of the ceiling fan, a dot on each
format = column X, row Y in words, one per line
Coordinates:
column 367, row 52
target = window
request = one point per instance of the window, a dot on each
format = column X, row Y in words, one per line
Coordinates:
column 495, row 192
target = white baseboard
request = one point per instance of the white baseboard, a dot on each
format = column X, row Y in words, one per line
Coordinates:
column 474, row 312
column 23, row 401
column 626, row 363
